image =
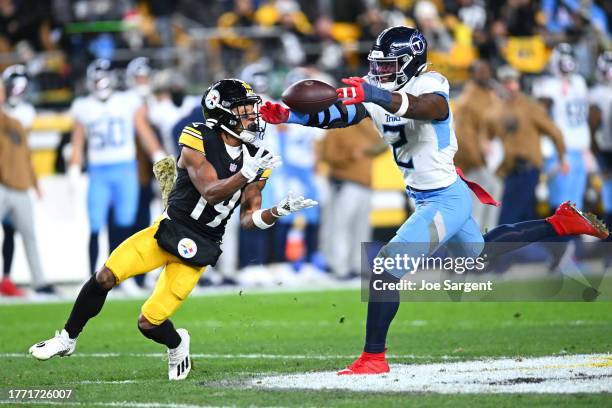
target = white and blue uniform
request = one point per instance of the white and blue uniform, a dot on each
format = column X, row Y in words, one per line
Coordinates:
column 601, row 96
column 111, row 155
column 570, row 113
column 424, row 151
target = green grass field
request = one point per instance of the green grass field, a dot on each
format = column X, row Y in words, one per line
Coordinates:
column 325, row 328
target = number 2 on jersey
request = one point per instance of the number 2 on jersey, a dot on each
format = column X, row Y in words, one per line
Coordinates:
column 401, row 132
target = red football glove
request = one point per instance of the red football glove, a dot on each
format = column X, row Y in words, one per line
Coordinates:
column 354, row 93
column 274, row 113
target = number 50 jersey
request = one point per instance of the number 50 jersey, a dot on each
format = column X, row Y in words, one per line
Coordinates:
column 185, row 203
column 109, row 127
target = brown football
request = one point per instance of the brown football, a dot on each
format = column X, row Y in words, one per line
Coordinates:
column 309, row 96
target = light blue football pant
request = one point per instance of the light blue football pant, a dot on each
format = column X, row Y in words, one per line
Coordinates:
column 116, row 186
column 442, row 216
column 570, row 186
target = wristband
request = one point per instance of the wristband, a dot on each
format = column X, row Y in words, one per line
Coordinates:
column 404, row 106
column 259, row 222
column 157, row 156
column 297, row 117
column 377, row 95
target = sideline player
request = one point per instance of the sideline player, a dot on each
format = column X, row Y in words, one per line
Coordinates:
column 109, row 121
column 600, row 123
column 565, row 94
column 409, row 106
column 218, row 168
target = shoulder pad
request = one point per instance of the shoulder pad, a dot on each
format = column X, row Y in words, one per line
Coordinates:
column 191, row 136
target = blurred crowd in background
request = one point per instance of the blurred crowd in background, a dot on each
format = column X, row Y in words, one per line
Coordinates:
column 505, row 61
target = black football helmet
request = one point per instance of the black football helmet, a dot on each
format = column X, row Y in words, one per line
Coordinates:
column 398, row 54
column 15, row 81
column 219, row 102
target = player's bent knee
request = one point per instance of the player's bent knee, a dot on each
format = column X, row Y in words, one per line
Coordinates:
column 155, row 312
column 106, row 278
column 144, row 324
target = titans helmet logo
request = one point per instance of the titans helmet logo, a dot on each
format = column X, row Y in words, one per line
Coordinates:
column 417, row 44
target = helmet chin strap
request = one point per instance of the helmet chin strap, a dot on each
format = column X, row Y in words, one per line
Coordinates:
column 246, row 135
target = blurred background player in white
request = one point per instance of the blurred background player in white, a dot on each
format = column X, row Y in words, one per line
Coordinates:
column 16, row 178
column 565, row 94
column 170, row 104
column 600, row 122
column 108, row 121
column 138, row 76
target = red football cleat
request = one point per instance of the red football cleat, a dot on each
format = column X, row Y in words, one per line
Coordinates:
column 367, row 363
column 8, row 288
column 568, row 220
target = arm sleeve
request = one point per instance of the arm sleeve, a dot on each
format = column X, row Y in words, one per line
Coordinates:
column 338, row 115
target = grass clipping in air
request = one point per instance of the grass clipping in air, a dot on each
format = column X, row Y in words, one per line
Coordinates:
column 165, row 173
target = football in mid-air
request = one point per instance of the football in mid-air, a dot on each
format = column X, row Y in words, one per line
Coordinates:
column 309, row 96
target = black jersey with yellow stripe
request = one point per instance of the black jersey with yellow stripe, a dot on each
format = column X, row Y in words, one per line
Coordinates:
column 185, row 203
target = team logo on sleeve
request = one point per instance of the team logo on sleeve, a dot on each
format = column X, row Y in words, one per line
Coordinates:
column 187, row 248
column 417, row 44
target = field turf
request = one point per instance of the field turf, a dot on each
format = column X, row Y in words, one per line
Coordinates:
column 293, row 332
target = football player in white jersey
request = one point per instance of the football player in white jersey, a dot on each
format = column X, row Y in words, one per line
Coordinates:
column 410, row 108
column 565, row 93
column 600, row 122
column 108, row 121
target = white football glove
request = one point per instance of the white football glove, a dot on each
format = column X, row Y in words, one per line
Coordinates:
column 291, row 204
column 73, row 174
column 253, row 166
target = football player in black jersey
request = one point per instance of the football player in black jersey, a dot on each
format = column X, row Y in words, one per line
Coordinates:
column 218, row 168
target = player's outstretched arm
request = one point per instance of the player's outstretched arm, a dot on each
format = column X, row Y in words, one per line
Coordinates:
column 429, row 106
column 252, row 216
column 338, row 115
column 147, row 136
column 214, row 190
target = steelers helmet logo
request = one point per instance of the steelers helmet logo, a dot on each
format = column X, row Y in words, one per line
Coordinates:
column 187, row 248
column 417, row 44
column 212, row 99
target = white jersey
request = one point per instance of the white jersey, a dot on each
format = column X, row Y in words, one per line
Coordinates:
column 569, row 108
column 423, row 149
column 109, row 126
column 164, row 115
column 23, row 112
column 601, row 96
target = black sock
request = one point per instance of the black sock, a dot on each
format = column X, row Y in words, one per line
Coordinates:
column 516, row 236
column 8, row 248
column 87, row 305
column 382, row 307
column 93, row 252
column 163, row 334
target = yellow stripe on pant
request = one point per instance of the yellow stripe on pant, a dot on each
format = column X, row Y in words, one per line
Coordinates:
column 140, row 254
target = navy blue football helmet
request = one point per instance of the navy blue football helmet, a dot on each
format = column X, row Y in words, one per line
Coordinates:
column 398, row 54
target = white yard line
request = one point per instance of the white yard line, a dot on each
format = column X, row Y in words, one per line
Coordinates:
column 551, row 374
column 129, row 404
column 241, row 356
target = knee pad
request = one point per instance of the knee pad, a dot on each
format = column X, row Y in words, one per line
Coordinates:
column 155, row 312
